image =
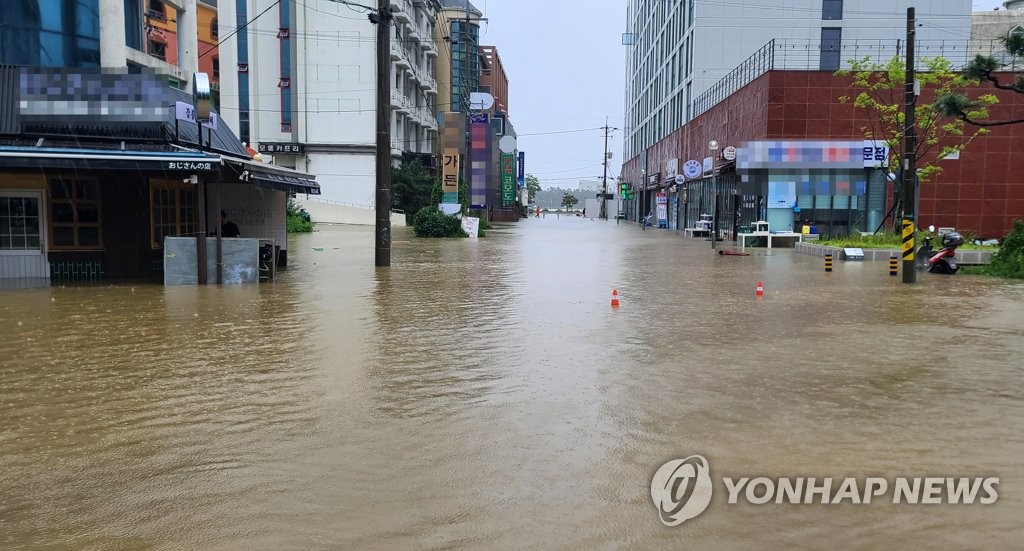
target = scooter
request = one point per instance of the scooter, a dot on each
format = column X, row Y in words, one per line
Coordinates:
column 943, row 261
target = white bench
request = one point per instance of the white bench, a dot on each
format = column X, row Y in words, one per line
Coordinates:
column 786, row 235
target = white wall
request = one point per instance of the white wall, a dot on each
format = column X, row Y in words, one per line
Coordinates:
column 345, row 177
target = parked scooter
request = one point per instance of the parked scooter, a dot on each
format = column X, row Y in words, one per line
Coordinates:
column 943, row 261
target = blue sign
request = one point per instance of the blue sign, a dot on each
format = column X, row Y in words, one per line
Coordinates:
column 692, row 169
column 522, row 169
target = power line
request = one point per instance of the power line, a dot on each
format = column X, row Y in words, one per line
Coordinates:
column 234, row 32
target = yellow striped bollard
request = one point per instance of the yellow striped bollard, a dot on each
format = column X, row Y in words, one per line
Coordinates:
column 893, row 265
column 828, row 263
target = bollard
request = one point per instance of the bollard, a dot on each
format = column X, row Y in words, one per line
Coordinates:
column 759, row 290
column 828, row 263
column 893, row 265
column 615, row 298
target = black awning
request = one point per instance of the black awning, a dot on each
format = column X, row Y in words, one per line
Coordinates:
column 93, row 159
column 285, row 182
column 273, row 177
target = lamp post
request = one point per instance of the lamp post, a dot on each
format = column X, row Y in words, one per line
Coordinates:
column 713, row 234
column 639, row 204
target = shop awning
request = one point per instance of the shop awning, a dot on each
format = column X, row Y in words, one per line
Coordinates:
column 108, row 159
column 274, row 177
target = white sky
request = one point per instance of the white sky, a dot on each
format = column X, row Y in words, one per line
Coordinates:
column 566, row 66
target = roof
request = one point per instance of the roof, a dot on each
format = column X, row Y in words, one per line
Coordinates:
column 460, row 5
column 93, row 130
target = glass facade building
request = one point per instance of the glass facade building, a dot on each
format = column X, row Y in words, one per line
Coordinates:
column 50, row 33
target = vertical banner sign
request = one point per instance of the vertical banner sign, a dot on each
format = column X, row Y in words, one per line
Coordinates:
column 480, row 155
column 522, row 169
column 662, row 200
column 450, row 175
column 508, row 179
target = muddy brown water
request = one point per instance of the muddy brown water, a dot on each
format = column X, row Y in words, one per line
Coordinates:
column 483, row 394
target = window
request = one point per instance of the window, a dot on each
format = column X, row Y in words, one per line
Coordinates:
column 157, row 49
column 831, row 44
column 832, row 10
column 19, row 223
column 214, row 30
column 172, row 207
column 216, row 67
column 74, row 214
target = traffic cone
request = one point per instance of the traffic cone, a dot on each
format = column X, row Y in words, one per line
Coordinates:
column 760, row 289
column 615, row 298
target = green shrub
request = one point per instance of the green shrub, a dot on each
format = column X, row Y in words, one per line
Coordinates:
column 431, row 222
column 1008, row 261
column 298, row 219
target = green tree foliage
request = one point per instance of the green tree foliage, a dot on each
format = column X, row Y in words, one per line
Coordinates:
column 881, row 89
column 983, row 68
column 569, row 200
column 298, row 219
column 412, row 186
column 431, row 222
column 532, row 186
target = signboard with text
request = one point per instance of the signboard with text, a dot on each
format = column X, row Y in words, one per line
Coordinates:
column 662, row 202
column 285, row 148
column 522, row 169
column 187, row 112
column 508, row 177
column 450, row 171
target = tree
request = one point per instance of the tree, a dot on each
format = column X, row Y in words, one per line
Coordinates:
column 412, row 186
column 881, row 91
column 984, row 68
column 569, row 200
column 532, row 186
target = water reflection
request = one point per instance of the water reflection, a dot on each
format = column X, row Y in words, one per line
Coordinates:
column 484, row 394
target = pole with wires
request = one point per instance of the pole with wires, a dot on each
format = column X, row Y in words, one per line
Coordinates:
column 382, row 249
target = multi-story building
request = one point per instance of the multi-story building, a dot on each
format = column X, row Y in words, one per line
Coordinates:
column 176, row 37
column 773, row 140
column 677, row 51
column 457, row 34
column 301, row 86
column 989, row 28
column 494, row 79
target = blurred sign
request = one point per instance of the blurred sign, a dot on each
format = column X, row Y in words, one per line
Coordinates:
column 522, row 169
column 692, row 169
column 729, row 153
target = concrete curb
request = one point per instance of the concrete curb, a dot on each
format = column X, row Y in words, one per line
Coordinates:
column 963, row 257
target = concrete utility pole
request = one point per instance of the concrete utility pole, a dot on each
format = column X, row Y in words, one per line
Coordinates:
column 465, row 108
column 909, row 159
column 382, row 250
column 604, row 201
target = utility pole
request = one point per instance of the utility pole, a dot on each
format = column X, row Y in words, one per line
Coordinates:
column 604, row 194
column 465, row 108
column 382, row 250
column 909, row 158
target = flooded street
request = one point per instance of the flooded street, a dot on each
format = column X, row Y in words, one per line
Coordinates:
column 483, row 394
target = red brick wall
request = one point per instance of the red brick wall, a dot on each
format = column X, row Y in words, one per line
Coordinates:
column 982, row 192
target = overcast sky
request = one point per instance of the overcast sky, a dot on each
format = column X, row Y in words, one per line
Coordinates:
column 566, row 69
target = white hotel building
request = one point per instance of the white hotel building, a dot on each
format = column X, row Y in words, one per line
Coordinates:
column 676, row 51
column 301, row 78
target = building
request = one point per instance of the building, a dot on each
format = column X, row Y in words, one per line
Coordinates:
column 800, row 158
column 786, row 146
column 677, row 52
column 458, row 65
column 494, row 79
column 94, row 189
column 131, row 34
column 989, row 28
column 302, row 87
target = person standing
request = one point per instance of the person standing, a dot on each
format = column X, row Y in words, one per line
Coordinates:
column 227, row 227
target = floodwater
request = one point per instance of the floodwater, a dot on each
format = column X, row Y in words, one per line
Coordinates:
column 483, row 394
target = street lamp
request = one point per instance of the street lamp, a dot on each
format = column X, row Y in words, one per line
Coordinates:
column 639, row 204
column 713, row 234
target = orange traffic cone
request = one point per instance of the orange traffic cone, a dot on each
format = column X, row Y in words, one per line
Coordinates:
column 615, row 298
column 760, row 289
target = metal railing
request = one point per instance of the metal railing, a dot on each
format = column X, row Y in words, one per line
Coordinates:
column 810, row 55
